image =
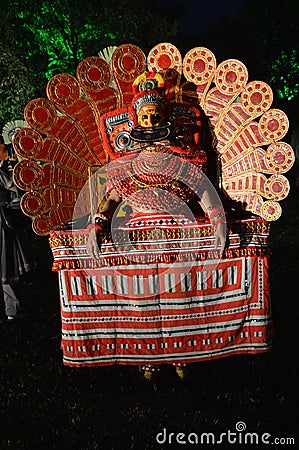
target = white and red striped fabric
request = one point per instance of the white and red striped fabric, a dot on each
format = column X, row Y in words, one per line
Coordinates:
column 185, row 308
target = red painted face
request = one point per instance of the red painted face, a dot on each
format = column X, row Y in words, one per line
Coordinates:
column 150, row 116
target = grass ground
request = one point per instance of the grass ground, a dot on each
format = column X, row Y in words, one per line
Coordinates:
column 45, row 406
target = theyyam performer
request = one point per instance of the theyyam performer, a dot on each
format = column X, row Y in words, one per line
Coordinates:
column 157, row 178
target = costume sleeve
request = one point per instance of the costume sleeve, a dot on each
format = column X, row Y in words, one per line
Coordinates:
column 6, row 180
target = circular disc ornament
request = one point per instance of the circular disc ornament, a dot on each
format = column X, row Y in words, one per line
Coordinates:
column 93, row 74
column 27, row 143
column 28, row 175
column 127, row 62
column 271, row 210
column 199, row 65
column 231, row 76
column 33, row 203
column 279, row 157
column 42, row 225
column 277, row 187
column 63, row 90
column 273, row 125
column 256, row 98
column 41, row 115
column 164, row 56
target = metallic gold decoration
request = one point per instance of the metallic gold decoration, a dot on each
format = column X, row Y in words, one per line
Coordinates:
column 275, row 188
column 33, row 203
column 274, row 125
column 27, row 143
column 271, row 210
column 279, row 157
column 231, row 77
column 41, row 115
column 42, row 225
column 28, row 175
column 199, row 66
column 127, row 62
column 222, row 102
column 164, row 56
column 256, row 98
column 166, row 59
column 63, row 90
column 93, row 74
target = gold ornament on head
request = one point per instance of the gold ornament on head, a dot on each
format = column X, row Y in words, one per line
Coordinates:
column 148, row 81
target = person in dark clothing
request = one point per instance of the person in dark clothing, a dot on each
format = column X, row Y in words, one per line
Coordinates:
column 14, row 261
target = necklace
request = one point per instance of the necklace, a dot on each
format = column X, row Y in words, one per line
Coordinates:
column 153, row 159
column 152, row 179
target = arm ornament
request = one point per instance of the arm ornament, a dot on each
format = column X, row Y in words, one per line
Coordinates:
column 91, row 226
column 216, row 215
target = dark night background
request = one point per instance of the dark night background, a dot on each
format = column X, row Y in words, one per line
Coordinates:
column 44, row 405
column 198, row 15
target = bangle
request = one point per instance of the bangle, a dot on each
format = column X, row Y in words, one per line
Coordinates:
column 216, row 215
column 91, row 226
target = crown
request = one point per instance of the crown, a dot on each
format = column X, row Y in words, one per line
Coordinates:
column 148, row 99
column 148, row 89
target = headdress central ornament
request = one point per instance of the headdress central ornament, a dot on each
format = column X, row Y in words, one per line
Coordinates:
column 148, row 89
column 148, row 81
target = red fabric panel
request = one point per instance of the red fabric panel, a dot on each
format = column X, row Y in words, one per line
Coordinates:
column 184, row 321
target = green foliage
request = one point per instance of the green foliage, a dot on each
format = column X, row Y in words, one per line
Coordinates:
column 42, row 38
column 60, row 33
column 270, row 30
column 285, row 74
column 16, row 87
